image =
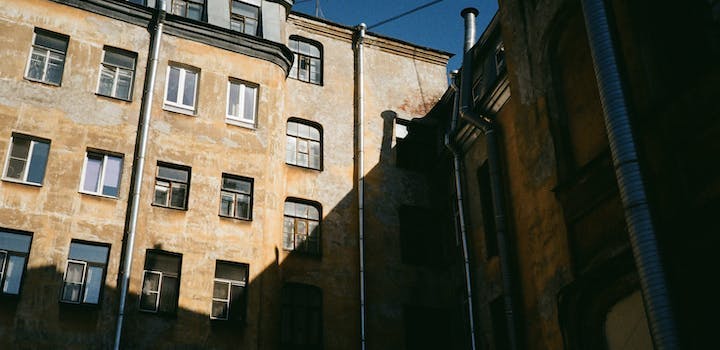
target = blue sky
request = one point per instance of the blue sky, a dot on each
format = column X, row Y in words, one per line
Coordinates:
column 438, row 26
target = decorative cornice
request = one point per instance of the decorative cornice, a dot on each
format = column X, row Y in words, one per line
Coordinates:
column 205, row 33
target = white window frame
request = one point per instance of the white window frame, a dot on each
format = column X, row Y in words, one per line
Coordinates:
column 179, row 106
column 240, row 120
column 227, row 300
column 3, row 263
column 81, row 298
column 157, row 292
column 24, row 180
column 117, row 68
column 101, row 180
column 47, row 59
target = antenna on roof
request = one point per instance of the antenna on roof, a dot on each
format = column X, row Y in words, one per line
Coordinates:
column 403, row 14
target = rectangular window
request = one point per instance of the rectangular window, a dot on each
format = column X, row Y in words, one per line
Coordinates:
column 236, row 197
column 301, row 227
column 301, row 317
column 419, row 241
column 242, row 101
column 229, row 296
column 500, row 58
column 171, row 186
column 181, row 88
column 116, row 73
column 101, row 174
column 27, row 159
column 47, row 57
column 192, row 9
column 161, row 282
column 14, row 250
column 244, row 16
column 85, row 273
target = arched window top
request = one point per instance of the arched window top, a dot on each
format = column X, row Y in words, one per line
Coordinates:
column 304, row 144
column 301, row 226
column 308, row 62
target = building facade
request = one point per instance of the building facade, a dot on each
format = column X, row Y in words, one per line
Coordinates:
column 247, row 219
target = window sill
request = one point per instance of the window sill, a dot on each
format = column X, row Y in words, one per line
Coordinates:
column 42, row 82
column 100, row 195
column 316, row 256
column 180, row 110
column 241, row 124
column 234, row 218
column 84, row 306
column 304, row 167
column 166, row 207
column 112, row 97
column 307, row 82
column 7, row 179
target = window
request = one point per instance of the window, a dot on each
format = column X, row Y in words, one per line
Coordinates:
column 301, row 227
column 244, row 16
column 193, row 9
column 161, row 282
column 84, row 273
column 116, row 73
column 500, row 58
column 181, row 88
column 229, row 297
column 304, row 145
column 242, row 102
column 307, row 65
column 488, row 210
column 14, row 249
column 171, row 186
column 101, row 174
column 301, row 326
column 47, row 57
column 236, row 197
column 27, row 159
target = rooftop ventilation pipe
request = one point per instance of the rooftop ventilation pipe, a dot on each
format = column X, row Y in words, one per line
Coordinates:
column 139, row 165
column 359, row 103
column 629, row 177
column 489, row 127
column 461, row 211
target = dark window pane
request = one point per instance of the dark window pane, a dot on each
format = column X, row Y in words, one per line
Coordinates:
column 237, row 302
column 177, row 195
column 38, row 160
column 93, row 284
column 226, row 204
column 189, row 89
column 165, row 263
column 172, row 84
column 221, row 290
column 88, row 252
column 16, row 168
column 51, row 41
column 234, row 272
column 169, row 294
column 92, row 172
column 178, row 175
column 119, row 59
column 13, row 274
column 219, row 309
column 15, row 242
column 111, row 182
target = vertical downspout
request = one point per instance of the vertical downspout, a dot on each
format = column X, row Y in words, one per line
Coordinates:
column 139, row 165
column 460, row 205
column 359, row 81
column 629, row 177
column 489, row 127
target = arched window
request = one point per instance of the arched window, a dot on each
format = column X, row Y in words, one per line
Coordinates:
column 301, row 226
column 307, row 65
column 304, row 144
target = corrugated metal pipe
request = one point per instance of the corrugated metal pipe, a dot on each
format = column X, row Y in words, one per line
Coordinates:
column 139, row 164
column 489, row 128
column 629, row 178
column 457, row 166
column 360, row 135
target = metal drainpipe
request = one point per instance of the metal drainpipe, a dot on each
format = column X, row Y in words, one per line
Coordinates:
column 460, row 205
column 139, row 166
column 359, row 81
column 489, row 127
column 629, row 177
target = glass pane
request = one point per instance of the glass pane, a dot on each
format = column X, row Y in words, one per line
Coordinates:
column 38, row 160
column 236, row 185
column 13, row 274
column 249, row 111
column 111, row 183
column 250, row 27
column 15, row 242
column 314, row 148
column 301, row 227
column 20, row 148
column 237, row 25
column 161, row 193
column 315, row 71
column 313, row 213
column 302, row 159
column 93, row 283
column 234, row 272
column 169, row 294
column 92, row 172
column 220, row 309
column 148, row 301
column 177, row 195
column 167, row 263
column 178, row 8
column 55, row 68
column 314, row 134
column 16, row 169
column 37, row 64
column 302, row 146
column 303, row 68
column 289, row 208
column 195, row 12
column 288, row 239
column 107, row 79
column 88, row 252
column 243, row 206
column 151, row 282
column 226, row 204
column 74, row 273
column 119, row 59
column 304, row 131
column 221, row 290
column 234, row 100
column 124, row 84
column 245, row 10
column 172, row 84
column 3, row 255
column 173, row 174
column 292, row 128
column 294, row 68
column 306, row 49
column 189, row 89
column 314, row 162
column 237, row 302
column 314, row 229
column 71, row 292
column 49, row 41
column 289, row 225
